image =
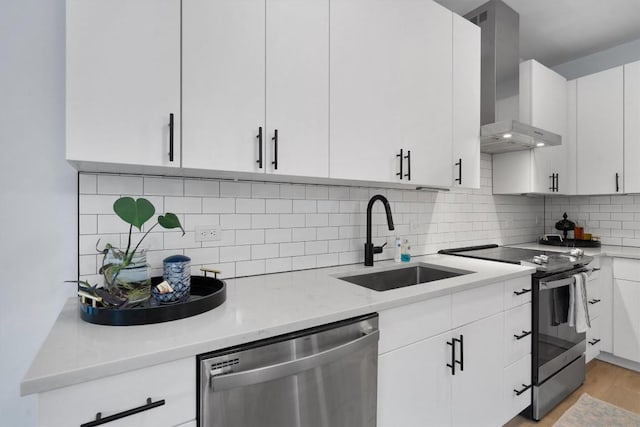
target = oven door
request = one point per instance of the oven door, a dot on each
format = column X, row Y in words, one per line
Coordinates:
column 555, row 343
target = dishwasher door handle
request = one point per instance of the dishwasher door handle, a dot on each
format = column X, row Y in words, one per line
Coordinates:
column 290, row 367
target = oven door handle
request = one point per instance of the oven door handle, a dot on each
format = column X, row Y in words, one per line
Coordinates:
column 552, row 284
column 291, row 367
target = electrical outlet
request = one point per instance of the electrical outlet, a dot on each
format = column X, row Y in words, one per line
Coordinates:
column 208, row 233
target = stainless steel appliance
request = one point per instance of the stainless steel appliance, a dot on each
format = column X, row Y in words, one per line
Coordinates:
column 324, row 376
column 501, row 130
column 558, row 361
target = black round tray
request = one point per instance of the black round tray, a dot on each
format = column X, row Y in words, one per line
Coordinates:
column 572, row 243
column 206, row 293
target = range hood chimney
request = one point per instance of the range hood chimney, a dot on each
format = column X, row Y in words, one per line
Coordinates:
column 501, row 130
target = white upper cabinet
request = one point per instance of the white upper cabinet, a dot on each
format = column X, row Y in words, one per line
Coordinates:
column 123, row 81
column 466, row 103
column 298, row 87
column 631, row 127
column 256, row 86
column 543, row 104
column 391, row 85
column 223, row 84
column 600, row 117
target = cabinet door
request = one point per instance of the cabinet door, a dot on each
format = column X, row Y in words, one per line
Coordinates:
column 631, row 127
column 466, row 103
column 414, row 385
column 298, row 87
column 123, row 81
column 626, row 319
column 223, row 84
column 390, row 89
column 477, row 398
column 543, row 103
column 594, row 338
column 600, row 132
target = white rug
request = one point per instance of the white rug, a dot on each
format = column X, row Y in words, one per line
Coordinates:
column 591, row 412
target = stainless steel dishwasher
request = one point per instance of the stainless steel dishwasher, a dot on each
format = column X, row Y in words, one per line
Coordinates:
column 325, row 376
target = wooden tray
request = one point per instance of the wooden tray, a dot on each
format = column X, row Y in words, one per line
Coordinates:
column 206, row 293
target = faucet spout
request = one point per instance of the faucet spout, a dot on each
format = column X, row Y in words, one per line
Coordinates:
column 369, row 249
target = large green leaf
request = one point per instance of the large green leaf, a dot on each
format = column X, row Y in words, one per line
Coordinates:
column 170, row 220
column 134, row 212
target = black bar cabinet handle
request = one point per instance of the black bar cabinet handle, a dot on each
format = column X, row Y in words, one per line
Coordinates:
column 452, row 365
column 275, row 149
column 259, row 136
column 461, row 361
column 401, row 156
column 99, row 420
column 171, row 137
column 553, row 182
column 408, row 157
column 617, row 182
column 594, row 301
column 525, row 388
column 595, row 341
column 522, row 292
column 459, row 178
column 557, row 182
column 524, row 334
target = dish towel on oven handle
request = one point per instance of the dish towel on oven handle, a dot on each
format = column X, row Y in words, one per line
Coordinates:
column 578, row 303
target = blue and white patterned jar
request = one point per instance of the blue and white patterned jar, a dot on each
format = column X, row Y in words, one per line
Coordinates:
column 177, row 272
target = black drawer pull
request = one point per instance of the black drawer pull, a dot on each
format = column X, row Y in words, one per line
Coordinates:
column 275, row 149
column 408, row 157
column 259, row 136
column 459, row 178
column 594, row 301
column 553, row 182
column 99, row 420
column 401, row 156
column 524, row 334
column 461, row 361
column 522, row 292
column 452, row 365
column 595, row 341
column 519, row 392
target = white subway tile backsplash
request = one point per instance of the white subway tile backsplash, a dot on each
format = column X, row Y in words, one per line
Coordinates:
column 88, row 264
column 279, row 206
column 268, row 227
column 218, row 205
column 249, row 237
column 235, row 221
column 235, row 189
column 183, row 204
column 88, row 184
column 201, row 188
column 235, row 253
column 250, row 206
column 163, row 186
column 118, row 184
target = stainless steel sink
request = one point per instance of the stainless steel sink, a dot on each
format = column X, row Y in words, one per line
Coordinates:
column 401, row 277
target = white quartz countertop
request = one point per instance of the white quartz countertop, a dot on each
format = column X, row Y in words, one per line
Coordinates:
column 257, row 307
column 605, row 250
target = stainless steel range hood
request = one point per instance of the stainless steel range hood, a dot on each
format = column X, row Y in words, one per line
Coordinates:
column 501, row 130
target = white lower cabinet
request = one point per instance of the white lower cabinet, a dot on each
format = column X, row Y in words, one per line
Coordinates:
column 626, row 319
column 594, row 338
column 457, row 375
column 173, row 382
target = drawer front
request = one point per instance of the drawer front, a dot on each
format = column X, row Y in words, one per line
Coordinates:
column 594, row 339
column 626, row 269
column 173, row 382
column 474, row 304
column 411, row 323
column 517, row 328
column 594, row 298
column 517, row 377
column 517, row 292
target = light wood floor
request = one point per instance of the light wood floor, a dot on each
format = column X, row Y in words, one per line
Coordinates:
column 610, row 383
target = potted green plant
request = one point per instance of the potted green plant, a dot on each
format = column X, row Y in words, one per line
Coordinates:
column 126, row 272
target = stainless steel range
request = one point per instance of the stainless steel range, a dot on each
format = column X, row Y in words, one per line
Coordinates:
column 558, row 361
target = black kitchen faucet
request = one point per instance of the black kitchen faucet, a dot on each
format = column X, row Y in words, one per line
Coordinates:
column 369, row 249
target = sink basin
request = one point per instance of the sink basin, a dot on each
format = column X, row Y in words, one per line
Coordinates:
column 405, row 276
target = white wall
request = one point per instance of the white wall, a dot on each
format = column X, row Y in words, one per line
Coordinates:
column 38, row 192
